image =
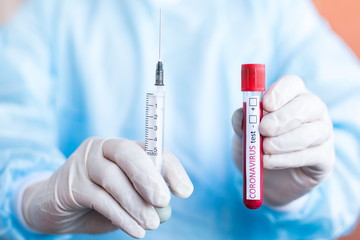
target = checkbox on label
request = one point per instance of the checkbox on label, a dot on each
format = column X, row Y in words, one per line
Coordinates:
column 252, row 119
column 253, row 102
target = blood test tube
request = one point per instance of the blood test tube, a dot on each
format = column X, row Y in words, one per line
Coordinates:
column 252, row 86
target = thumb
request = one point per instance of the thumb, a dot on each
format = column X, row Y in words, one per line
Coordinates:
column 237, row 121
column 282, row 92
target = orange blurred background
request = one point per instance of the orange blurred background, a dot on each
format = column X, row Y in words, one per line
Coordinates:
column 344, row 18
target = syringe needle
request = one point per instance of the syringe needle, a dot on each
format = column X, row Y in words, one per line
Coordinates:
column 159, row 79
column 160, row 35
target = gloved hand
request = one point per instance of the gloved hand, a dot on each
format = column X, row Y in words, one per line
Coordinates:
column 104, row 185
column 297, row 141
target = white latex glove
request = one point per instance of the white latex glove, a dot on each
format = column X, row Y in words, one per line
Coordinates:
column 297, row 144
column 104, row 185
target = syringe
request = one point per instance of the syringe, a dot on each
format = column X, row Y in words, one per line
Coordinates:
column 154, row 125
column 154, row 121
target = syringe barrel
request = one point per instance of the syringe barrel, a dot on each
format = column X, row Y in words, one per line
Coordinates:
column 253, row 85
column 154, row 126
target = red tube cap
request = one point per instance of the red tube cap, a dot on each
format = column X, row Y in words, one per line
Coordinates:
column 253, row 77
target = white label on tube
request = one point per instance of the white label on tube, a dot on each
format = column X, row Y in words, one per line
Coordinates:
column 252, row 148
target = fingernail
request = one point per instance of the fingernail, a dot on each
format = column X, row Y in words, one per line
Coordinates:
column 184, row 189
column 138, row 232
column 152, row 221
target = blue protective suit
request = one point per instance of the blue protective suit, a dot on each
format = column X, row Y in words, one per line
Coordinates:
column 74, row 69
